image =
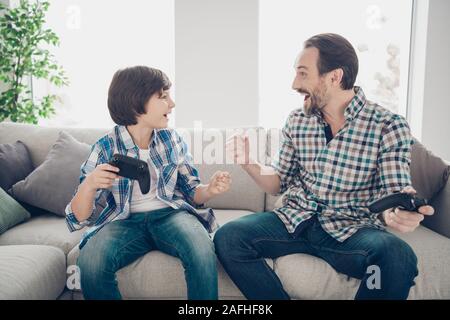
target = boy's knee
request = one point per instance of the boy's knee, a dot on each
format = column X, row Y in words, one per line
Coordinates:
column 93, row 265
column 204, row 251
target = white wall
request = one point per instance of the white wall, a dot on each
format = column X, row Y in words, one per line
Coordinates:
column 436, row 108
column 223, row 91
column 96, row 43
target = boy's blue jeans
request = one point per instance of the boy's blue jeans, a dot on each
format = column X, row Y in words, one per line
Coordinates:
column 242, row 245
column 119, row 243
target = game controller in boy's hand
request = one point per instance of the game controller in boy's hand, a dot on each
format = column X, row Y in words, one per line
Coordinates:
column 404, row 201
column 133, row 169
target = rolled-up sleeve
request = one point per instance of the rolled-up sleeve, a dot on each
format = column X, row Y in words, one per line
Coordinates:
column 286, row 164
column 95, row 158
column 395, row 157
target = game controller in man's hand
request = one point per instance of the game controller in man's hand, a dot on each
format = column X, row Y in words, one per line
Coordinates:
column 404, row 201
column 133, row 169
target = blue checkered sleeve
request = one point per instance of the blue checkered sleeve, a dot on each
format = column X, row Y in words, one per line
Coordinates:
column 94, row 159
column 395, row 157
column 188, row 177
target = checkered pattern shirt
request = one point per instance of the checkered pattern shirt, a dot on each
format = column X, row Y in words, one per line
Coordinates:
column 177, row 180
column 368, row 158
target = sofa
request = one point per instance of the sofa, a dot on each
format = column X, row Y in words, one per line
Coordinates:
column 37, row 256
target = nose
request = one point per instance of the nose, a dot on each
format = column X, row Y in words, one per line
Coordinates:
column 171, row 104
column 296, row 83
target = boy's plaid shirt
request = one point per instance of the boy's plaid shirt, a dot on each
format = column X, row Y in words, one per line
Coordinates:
column 177, row 180
column 368, row 158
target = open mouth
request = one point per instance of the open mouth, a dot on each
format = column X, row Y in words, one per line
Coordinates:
column 166, row 116
column 306, row 97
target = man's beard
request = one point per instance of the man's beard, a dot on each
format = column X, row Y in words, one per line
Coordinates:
column 317, row 101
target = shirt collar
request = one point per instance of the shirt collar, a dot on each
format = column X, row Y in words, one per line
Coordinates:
column 126, row 139
column 355, row 106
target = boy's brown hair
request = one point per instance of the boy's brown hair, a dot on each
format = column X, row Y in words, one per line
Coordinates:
column 130, row 90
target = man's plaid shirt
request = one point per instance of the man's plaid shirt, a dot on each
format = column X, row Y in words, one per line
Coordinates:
column 368, row 158
column 177, row 180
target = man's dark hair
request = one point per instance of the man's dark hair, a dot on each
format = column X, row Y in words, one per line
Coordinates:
column 335, row 52
column 130, row 90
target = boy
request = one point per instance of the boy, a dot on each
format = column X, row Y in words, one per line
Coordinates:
column 127, row 224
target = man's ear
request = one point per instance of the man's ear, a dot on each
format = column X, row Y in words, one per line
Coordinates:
column 336, row 77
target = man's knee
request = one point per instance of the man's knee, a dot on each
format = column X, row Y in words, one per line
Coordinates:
column 396, row 255
column 231, row 237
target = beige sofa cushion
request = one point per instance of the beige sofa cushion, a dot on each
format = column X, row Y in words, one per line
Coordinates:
column 31, row 272
column 46, row 229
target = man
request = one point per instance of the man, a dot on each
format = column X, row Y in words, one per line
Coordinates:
column 339, row 153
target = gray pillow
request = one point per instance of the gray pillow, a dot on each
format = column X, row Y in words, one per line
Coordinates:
column 11, row 212
column 51, row 185
column 15, row 163
column 429, row 173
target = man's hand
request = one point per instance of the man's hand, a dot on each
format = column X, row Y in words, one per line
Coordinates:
column 219, row 183
column 406, row 221
column 238, row 149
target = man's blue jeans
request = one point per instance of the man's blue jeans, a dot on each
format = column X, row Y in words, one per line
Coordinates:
column 119, row 243
column 242, row 245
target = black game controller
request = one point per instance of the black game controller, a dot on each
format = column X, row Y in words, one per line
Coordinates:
column 404, row 201
column 133, row 169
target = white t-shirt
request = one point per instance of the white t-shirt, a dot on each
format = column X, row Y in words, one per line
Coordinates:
column 146, row 202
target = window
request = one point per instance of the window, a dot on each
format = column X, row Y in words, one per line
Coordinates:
column 96, row 39
column 379, row 30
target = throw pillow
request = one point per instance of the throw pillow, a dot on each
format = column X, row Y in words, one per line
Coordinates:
column 11, row 212
column 15, row 163
column 51, row 185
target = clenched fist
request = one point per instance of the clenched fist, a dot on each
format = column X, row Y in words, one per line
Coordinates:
column 219, row 183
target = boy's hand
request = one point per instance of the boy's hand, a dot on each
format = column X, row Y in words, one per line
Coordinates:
column 102, row 177
column 406, row 221
column 219, row 183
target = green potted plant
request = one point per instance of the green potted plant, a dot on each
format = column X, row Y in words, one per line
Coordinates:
column 24, row 55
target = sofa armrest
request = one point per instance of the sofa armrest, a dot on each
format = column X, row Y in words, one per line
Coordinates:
column 440, row 221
